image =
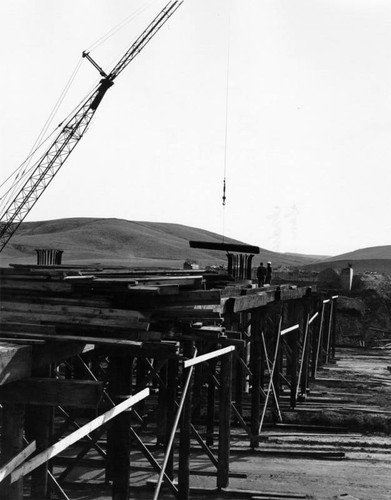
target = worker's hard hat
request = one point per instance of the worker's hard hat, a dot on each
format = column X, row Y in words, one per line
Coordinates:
column 269, row 262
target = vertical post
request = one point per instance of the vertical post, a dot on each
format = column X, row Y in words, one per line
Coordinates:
column 303, row 372
column 225, row 421
column 239, row 382
column 171, row 409
column 295, row 317
column 210, row 411
column 319, row 342
column 118, row 434
column 184, row 438
column 294, row 340
column 11, row 444
column 161, row 412
column 39, row 422
column 197, row 386
column 277, row 362
column 331, row 331
column 255, row 363
column 334, row 328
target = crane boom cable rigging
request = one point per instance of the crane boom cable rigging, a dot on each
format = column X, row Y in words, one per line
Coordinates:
column 118, row 27
column 23, row 169
column 226, row 122
column 73, row 130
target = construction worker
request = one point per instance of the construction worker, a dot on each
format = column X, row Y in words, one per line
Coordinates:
column 268, row 273
column 261, row 274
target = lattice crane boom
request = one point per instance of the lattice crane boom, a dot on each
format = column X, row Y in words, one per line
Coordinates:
column 52, row 160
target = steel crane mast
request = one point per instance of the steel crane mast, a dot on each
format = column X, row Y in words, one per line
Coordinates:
column 73, row 130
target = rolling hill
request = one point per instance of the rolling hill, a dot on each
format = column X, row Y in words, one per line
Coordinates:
column 125, row 243
column 370, row 259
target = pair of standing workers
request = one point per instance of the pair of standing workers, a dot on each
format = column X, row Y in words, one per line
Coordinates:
column 264, row 274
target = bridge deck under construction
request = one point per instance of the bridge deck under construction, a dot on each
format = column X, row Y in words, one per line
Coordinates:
column 192, row 354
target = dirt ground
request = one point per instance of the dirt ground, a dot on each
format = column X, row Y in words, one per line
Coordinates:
column 291, row 462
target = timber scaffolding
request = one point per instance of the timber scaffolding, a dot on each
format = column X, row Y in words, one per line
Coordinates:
column 191, row 353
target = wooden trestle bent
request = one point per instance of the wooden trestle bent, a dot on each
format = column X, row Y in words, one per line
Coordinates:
column 80, row 346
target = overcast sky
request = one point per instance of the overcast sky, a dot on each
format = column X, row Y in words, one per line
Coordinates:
column 290, row 99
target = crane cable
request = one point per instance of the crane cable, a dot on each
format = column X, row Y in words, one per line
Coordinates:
column 119, row 26
column 226, row 120
column 24, row 168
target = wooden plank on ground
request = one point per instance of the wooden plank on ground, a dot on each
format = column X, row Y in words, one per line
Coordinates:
column 63, row 444
column 53, row 392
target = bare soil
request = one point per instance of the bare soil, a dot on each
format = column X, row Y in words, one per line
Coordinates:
column 346, row 464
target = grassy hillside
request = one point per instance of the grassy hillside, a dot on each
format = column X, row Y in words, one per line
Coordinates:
column 123, row 242
column 359, row 266
column 371, row 259
column 369, row 253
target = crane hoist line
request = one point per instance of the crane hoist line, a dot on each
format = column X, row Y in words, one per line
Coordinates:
column 52, row 160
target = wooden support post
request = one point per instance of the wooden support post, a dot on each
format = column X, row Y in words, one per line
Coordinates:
column 255, row 363
column 294, row 341
column 184, row 439
column 172, row 373
column 304, row 365
column 210, row 411
column 334, row 327
column 225, row 421
column 277, row 320
column 239, row 382
column 319, row 342
column 197, row 387
column 118, row 434
column 161, row 412
column 39, row 426
column 11, row 444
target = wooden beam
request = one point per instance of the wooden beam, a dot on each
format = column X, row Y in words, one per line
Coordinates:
column 15, row 362
column 153, row 290
column 63, row 444
column 78, row 338
column 290, row 329
column 205, row 357
column 225, row 247
column 247, row 302
column 18, row 459
column 16, row 311
column 53, row 392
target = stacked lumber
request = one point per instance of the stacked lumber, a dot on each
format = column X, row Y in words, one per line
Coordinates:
column 101, row 305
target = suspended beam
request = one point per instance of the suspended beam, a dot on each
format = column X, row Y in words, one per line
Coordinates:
column 225, row 247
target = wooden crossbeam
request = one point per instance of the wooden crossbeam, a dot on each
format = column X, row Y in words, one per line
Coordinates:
column 247, row 302
column 53, row 392
column 205, row 357
column 71, row 314
column 10, row 466
column 63, row 444
column 77, row 338
column 313, row 317
column 225, row 247
column 290, row 329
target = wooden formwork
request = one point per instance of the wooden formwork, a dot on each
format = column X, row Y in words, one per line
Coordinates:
column 81, row 344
